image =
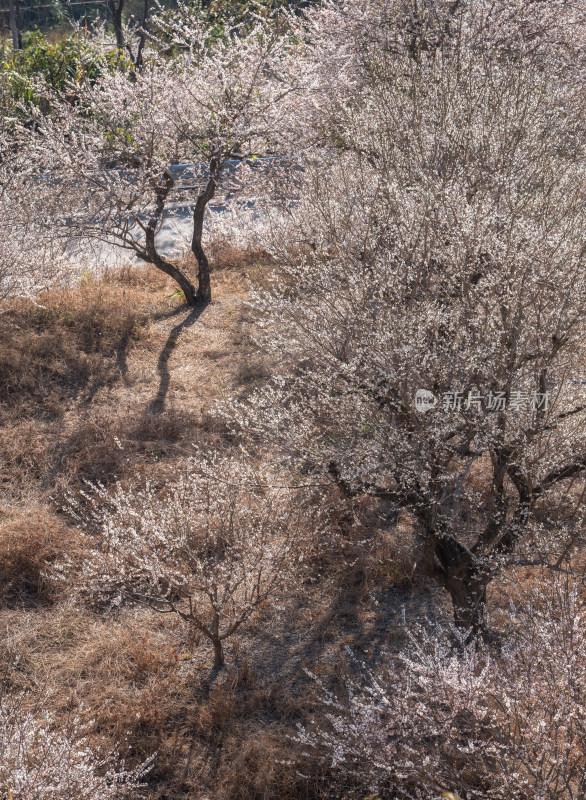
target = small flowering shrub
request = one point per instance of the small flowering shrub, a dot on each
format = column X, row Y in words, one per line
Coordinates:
column 41, row 760
column 210, row 548
column 447, row 717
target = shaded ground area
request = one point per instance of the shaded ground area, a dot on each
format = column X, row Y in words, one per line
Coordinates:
column 117, row 380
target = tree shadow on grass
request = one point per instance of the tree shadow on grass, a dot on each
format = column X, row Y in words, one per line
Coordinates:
column 157, row 404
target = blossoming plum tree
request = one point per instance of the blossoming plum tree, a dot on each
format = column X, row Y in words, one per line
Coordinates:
column 211, row 548
column 220, row 99
column 436, row 243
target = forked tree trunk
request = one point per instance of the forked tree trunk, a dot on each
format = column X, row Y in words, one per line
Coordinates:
column 204, row 289
column 179, row 277
column 169, row 269
column 152, row 256
column 218, row 654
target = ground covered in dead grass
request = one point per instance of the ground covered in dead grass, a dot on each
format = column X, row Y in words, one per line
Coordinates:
column 115, row 379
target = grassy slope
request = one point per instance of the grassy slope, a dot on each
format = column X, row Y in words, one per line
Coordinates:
column 115, row 379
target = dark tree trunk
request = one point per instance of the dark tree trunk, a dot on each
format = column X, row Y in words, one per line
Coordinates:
column 468, row 601
column 18, row 24
column 217, row 642
column 13, row 10
column 116, row 13
column 218, row 654
column 153, row 257
column 182, row 280
column 137, row 60
column 204, row 290
column 142, row 35
column 465, row 580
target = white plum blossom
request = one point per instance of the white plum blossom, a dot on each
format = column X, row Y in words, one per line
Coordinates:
column 451, row 717
column 30, row 261
column 211, row 546
column 43, row 758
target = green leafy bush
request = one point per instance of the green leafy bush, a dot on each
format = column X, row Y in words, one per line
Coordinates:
column 71, row 62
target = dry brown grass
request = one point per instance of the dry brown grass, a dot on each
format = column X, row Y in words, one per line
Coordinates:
column 61, row 361
column 63, row 350
column 120, row 673
column 29, row 543
column 79, row 374
column 146, row 688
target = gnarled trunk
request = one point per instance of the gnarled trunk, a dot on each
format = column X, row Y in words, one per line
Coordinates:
column 204, row 290
column 465, row 580
column 468, row 601
column 152, row 256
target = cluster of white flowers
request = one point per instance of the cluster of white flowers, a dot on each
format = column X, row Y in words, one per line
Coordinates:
column 29, row 260
column 211, row 546
column 451, row 717
column 41, row 758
